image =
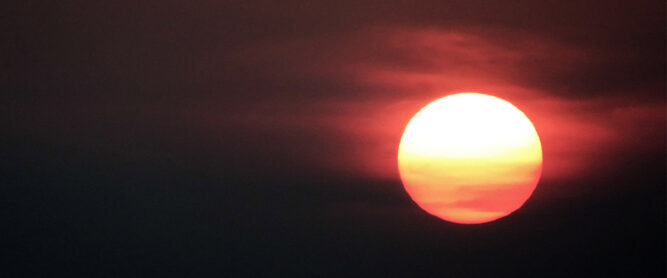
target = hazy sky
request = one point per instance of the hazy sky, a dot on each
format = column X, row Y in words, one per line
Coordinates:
column 255, row 137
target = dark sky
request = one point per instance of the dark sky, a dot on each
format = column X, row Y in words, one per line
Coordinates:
column 259, row 138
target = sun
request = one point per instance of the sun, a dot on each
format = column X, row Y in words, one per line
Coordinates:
column 470, row 158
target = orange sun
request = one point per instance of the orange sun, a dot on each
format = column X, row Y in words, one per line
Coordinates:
column 470, row 158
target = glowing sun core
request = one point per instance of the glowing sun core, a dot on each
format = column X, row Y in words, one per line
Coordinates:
column 470, row 158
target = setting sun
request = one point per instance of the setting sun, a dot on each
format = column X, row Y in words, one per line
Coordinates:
column 470, row 158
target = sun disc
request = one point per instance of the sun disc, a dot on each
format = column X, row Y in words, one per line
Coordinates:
column 470, row 158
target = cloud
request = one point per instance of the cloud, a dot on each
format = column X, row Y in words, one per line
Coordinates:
column 356, row 91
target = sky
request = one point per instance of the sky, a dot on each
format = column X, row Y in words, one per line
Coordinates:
column 258, row 138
